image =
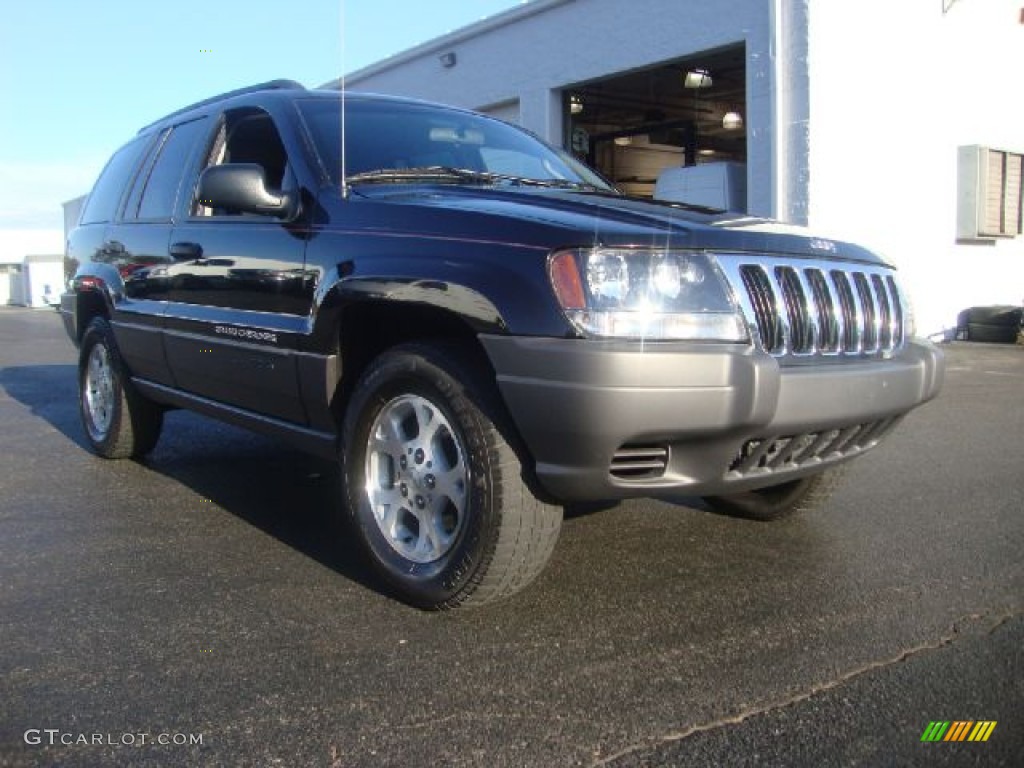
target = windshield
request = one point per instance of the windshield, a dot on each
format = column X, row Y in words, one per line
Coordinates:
column 393, row 142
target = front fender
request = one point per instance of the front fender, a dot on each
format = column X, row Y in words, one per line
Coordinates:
column 488, row 294
column 470, row 305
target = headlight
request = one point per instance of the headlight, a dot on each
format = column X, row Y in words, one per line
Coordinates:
column 644, row 294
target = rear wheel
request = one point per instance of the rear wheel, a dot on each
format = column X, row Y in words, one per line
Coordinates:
column 435, row 491
column 119, row 422
column 779, row 501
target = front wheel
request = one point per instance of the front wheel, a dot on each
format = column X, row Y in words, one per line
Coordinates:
column 779, row 501
column 436, row 493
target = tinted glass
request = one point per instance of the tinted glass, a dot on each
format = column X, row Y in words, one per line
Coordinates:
column 106, row 193
column 165, row 178
column 393, row 136
column 131, row 205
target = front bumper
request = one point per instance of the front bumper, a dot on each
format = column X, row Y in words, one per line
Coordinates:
column 724, row 418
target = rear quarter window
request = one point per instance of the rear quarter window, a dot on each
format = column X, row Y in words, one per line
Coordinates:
column 110, row 186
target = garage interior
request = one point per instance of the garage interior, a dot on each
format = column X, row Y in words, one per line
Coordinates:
column 688, row 112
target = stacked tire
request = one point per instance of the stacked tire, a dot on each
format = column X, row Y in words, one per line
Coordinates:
column 996, row 325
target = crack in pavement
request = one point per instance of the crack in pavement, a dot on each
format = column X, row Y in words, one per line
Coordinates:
column 947, row 639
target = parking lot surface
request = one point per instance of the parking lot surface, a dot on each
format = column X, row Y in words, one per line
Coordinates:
column 206, row 593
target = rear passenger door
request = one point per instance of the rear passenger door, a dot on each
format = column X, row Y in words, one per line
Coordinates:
column 139, row 241
column 238, row 295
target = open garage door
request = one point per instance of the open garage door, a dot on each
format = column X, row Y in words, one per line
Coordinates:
column 633, row 127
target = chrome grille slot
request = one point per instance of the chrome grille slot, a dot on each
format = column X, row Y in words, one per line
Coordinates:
column 639, row 462
column 884, row 312
column 801, row 334
column 762, row 298
column 800, row 308
column 849, row 312
column 868, row 312
column 828, row 321
column 897, row 312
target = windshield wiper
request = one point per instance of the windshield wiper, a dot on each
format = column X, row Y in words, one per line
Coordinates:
column 550, row 183
column 457, row 175
column 424, row 173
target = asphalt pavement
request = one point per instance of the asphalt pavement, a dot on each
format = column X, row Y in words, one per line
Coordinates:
column 205, row 595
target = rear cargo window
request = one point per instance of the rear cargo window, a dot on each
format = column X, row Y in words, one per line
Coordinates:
column 109, row 188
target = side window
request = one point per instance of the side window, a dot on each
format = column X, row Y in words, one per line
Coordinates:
column 109, row 188
column 248, row 136
column 161, row 188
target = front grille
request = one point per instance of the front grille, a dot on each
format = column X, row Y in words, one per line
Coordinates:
column 639, row 462
column 776, row 454
column 801, row 308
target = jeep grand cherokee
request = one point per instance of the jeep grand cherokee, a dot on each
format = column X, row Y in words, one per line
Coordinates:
column 474, row 324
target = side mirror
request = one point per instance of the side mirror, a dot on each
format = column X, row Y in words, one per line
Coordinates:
column 242, row 187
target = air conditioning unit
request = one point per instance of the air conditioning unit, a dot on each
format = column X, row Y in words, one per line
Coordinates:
column 988, row 193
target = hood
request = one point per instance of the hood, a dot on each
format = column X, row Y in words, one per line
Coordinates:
column 556, row 218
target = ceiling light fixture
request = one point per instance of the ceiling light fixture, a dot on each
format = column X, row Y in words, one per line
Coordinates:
column 575, row 104
column 732, row 121
column 697, row 78
column 623, row 141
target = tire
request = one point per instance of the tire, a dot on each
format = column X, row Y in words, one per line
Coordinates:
column 1001, row 315
column 993, row 334
column 435, row 492
column 119, row 422
column 778, row 501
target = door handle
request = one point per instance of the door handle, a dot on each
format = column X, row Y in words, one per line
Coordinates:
column 181, row 251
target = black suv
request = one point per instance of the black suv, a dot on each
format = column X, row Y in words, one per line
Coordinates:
column 477, row 326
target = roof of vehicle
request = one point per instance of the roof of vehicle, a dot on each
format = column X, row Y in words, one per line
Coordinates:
column 270, row 85
column 283, row 85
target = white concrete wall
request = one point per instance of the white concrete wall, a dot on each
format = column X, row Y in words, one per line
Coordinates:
column 7, row 280
column 558, row 44
column 16, row 289
column 15, row 244
column 895, row 88
column 40, row 276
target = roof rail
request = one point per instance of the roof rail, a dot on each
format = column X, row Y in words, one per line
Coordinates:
column 270, row 85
